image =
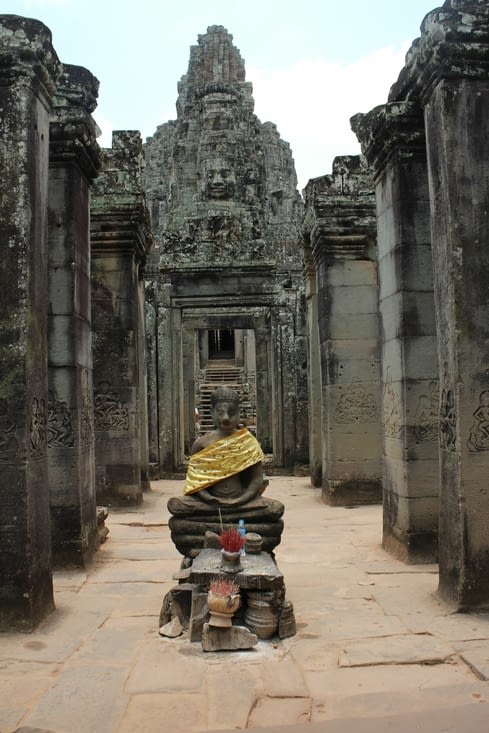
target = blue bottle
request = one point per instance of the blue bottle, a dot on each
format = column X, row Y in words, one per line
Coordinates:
column 242, row 531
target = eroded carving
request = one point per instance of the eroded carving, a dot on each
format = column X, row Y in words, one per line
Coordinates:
column 448, row 418
column 109, row 412
column 391, row 412
column 427, row 413
column 8, row 442
column 38, row 429
column 86, row 412
column 60, row 428
column 479, row 432
column 357, row 405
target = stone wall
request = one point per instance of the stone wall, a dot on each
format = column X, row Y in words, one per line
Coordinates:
column 29, row 70
column 120, row 240
column 339, row 232
column 442, row 97
column 74, row 162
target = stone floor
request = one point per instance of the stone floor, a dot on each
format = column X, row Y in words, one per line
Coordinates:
column 373, row 642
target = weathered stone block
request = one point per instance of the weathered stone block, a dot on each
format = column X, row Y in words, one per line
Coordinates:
column 233, row 638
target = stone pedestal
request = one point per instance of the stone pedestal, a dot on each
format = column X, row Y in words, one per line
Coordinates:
column 393, row 140
column 29, row 69
column 340, row 222
column 120, row 239
column 74, row 159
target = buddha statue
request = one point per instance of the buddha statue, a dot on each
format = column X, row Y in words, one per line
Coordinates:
column 224, row 483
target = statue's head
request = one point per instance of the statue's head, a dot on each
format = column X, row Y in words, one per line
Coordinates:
column 224, row 394
column 225, row 409
column 218, row 179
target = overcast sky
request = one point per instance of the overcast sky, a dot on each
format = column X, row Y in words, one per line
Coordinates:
column 312, row 63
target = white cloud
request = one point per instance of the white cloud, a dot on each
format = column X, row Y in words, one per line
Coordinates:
column 47, row 3
column 312, row 101
column 105, row 126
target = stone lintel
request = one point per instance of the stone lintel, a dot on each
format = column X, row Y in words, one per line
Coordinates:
column 454, row 43
column 342, row 245
column 119, row 216
column 340, row 219
column 26, row 51
column 72, row 131
column 396, row 128
column 120, row 233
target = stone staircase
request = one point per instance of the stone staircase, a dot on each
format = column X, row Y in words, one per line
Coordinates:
column 223, row 372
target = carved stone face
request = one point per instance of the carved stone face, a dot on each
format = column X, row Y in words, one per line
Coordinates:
column 225, row 416
column 218, row 180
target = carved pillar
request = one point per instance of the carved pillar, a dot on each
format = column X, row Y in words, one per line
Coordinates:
column 120, row 241
column 393, row 139
column 264, row 402
column 343, row 243
column 74, row 160
column 453, row 63
column 152, row 379
column 167, row 380
column 29, row 69
column 313, row 369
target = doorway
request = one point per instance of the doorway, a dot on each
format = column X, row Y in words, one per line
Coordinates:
column 221, row 344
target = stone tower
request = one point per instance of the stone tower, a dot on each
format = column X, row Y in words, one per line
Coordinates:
column 226, row 268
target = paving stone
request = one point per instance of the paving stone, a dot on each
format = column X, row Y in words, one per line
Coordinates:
column 283, row 679
column 160, row 667
column 476, row 655
column 383, row 704
column 407, row 649
column 231, row 697
column 180, row 713
column 82, row 697
column 280, row 711
column 21, row 685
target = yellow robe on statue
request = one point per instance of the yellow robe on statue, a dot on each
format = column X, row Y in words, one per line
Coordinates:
column 217, row 461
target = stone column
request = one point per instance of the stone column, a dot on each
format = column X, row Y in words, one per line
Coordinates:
column 342, row 234
column 313, row 369
column 152, row 379
column 393, row 139
column 264, row 401
column 121, row 238
column 74, row 160
column 167, row 381
column 29, row 69
column 453, row 61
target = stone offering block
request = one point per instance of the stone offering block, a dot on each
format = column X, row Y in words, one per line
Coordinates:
column 258, row 572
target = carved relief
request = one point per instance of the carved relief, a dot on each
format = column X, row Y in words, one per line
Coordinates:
column 38, row 429
column 391, row 412
column 427, row 413
column 86, row 412
column 448, row 418
column 109, row 412
column 222, row 228
column 479, row 432
column 8, row 442
column 357, row 405
column 60, row 429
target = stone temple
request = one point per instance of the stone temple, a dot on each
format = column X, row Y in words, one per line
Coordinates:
column 224, row 280
column 352, row 320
